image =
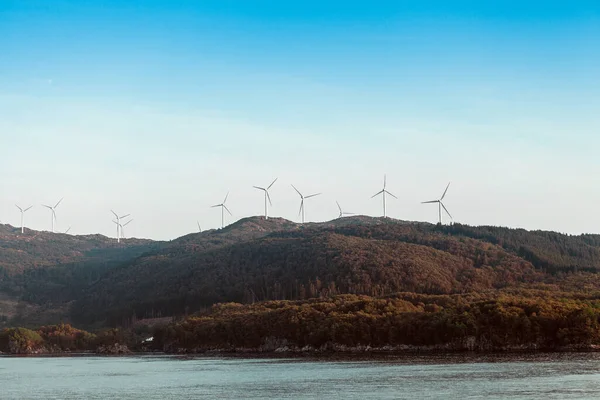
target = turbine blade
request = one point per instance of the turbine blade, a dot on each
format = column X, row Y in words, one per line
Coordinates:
column 428, row 202
column 301, row 206
column 445, row 209
column 348, row 213
column 442, row 198
column 225, row 207
column 391, row 194
column 226, row 196
column 126, row 215
column 115, row 214
column 384, row 180
column 312, row 195
column 28, row 208
column 377, row 194
column 339, row 208
column 272, row 183
column 19, row 208
column 50, row 207
column 268, row 197
column 217, row 205
column 128, row 222
column 297, row 191
column 58, row 202
column 259, row 188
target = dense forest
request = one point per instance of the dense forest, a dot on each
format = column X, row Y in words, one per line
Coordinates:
column 257, row 260
column 495, row 320
column 42, row 272
column 63, row 338
column 99, row 284
column 521, row 320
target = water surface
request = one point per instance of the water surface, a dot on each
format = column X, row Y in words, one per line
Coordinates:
column 554, row 376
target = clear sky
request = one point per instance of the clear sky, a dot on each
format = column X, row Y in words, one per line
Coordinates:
column 159, row 108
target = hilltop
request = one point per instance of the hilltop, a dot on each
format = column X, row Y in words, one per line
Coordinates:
column 34, row 249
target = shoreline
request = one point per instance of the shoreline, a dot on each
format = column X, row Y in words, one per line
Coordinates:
column 320, row 354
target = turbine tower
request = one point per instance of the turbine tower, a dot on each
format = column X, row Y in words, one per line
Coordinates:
column 302, row 198
column 223, row 208
column 440, row 204
column 383, row 192
column 118, row 222
column 342, row 213
column 53, row 209
column 23, row 211
column 267, row 197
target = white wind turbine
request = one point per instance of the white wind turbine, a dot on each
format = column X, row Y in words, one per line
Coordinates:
column 223, row 208
column 53, row 209
column 267, row 197
column 440, row 204
column 118, row 222
column 123, row 226
column 120, row 227
column 383, row 192
column 302, row 198
column 342, row 213
column 23, row 211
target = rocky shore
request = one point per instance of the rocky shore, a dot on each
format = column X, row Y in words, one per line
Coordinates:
column 470, row 344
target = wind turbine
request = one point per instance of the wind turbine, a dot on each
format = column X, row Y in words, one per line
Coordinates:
column 267, row 197
column 123, row 226
column 53, row 209
column 383, row 192
column 223, row 208
column 342, row 213
column 67, row 231
column 302, row 198
column 118, row 222
column 120, row 227
column 23, row 211
column 440, row 204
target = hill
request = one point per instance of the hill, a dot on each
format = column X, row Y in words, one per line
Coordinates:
column 92, row 281
column 257, row 259
column 41, row 272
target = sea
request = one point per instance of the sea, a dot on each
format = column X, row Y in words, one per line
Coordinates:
column 451, row 376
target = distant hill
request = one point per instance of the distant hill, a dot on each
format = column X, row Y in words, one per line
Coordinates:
column 92, row 281
column 257, row 259
column 33, row 249
column 41, row 272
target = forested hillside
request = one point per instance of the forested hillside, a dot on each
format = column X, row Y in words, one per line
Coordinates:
column 488, row 321
column 549, row 251
column 96, row 282
column 34, row 249
column 42, row 272
column 256, row 260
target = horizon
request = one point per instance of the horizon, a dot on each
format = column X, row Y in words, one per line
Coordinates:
column 157, row 109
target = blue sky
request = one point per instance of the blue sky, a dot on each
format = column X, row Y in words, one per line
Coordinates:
column 158, row 108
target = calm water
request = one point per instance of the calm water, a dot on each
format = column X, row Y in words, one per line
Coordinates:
column 560, row 376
